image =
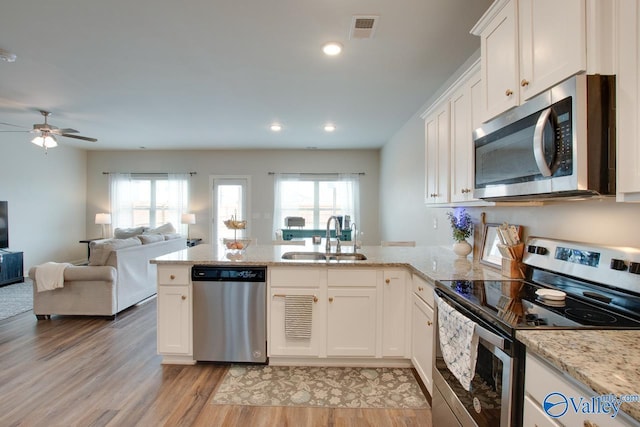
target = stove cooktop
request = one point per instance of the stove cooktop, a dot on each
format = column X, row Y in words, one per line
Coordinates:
column 514, row 304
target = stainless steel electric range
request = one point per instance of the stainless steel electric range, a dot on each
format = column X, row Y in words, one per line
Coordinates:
column 567, row 285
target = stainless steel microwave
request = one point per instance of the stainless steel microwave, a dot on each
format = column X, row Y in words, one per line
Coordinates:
column 560, row 143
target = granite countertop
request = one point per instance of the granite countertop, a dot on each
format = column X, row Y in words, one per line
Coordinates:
column 607, row 361
column 430, row 262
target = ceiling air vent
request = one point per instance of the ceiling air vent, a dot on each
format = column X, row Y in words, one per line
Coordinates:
column 363, row 26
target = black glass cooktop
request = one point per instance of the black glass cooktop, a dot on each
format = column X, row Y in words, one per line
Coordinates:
column 515, row 304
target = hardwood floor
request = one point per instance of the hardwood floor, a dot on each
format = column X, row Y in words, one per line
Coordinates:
column 74, row 371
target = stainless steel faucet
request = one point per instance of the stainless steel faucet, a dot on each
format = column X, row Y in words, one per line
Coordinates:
column 354, row 236
column 338, row 233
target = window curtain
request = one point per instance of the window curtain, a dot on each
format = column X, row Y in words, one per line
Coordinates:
column 178, row 197
column 349, row 196
column 121, row 200
column 278, row 216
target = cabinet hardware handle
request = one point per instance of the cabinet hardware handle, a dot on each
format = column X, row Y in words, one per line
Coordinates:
column 429, row 323
column 420, row 288
column 172, row 277
column 387, row 281
column 524, row 83
column 330, row 299
column 315, row 298
column 508, row 92
column 184, row 297
column 588, row 423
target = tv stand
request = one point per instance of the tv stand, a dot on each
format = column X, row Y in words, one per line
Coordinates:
column 11, row 269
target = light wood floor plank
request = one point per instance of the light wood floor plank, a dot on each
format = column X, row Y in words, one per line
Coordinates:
column 77, row 371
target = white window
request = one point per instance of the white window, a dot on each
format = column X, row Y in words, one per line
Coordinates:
column 315, row 198
column 149, row 200
column 230, row 199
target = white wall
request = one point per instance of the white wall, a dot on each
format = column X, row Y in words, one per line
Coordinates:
column 254, row 163
column 46, row 195
column 404, row 216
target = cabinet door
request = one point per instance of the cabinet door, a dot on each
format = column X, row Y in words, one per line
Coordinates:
column 394, row 309
column 628, row 101
column 437, row 155
column 279, row 344
column 499, row 47
column 174, row 320
column 552, row 36
column 351, row 325
column 422, row 341
column 461, row 146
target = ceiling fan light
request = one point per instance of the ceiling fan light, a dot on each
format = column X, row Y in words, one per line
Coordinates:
column 38, row 140
column 50, row 142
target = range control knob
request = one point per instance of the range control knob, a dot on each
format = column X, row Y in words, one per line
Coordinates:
column 634, row 267
column 541, row 251
column 618, row 264
column 531, row 249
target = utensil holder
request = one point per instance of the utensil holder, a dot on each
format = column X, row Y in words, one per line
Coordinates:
column 512, row 266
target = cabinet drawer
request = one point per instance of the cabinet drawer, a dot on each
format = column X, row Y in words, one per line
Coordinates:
column 423, row 289
column 298, row 277
column 352, row 277
column 174, row 275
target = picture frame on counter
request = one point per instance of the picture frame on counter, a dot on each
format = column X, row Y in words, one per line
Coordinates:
column 489, row 253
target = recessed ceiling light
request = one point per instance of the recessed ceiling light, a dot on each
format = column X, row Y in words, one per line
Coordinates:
column 276, row 127
column 332, row 48
column 329, row 127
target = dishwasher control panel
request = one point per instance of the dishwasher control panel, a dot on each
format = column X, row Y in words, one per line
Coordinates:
column 229, row 274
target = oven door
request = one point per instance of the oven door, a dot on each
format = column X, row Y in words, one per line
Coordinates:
column 488, row 403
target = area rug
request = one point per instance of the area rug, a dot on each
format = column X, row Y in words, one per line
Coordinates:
column 320, row 386
column 15, row 299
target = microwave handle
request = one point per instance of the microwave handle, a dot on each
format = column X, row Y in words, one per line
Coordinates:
column 538, row 143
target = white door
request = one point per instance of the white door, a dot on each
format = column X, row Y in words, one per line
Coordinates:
column 230, row 198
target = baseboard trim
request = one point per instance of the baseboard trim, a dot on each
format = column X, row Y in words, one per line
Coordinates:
column 341, row 362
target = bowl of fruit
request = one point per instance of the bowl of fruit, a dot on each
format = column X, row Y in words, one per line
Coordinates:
column 237, row 246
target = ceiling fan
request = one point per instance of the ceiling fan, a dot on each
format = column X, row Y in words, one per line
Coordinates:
column 46, row 133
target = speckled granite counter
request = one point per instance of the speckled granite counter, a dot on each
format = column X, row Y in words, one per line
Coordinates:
column 430, row 262
column 605, row 361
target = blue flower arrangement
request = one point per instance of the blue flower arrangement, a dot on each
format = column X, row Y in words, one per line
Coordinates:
column 461, row 225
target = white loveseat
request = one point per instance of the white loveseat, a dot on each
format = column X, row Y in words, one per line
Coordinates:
column 125, row 278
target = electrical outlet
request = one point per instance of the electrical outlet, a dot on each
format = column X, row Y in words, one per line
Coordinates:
column 435, row 223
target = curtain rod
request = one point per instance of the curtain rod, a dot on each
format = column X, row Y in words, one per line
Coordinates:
column 149, row 173
column 311, row 173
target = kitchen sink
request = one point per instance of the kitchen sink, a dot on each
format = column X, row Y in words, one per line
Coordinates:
column 322, row 256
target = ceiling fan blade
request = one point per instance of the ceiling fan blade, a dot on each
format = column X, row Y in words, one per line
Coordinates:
column 66, row 130
column 84, row 138
column 20, row 131
column 15, row 126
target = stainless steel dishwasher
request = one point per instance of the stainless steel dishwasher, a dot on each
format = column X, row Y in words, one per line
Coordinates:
column 229, row 313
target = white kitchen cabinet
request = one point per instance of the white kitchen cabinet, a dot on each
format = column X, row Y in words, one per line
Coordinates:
column 394, row 310
column 437, row 154
column 352, row 312
column 422, row 327
column 465, row 105
column 628, row 101
column 541, row 379
column 528, row 46
column 279, row 344
column 175, row 336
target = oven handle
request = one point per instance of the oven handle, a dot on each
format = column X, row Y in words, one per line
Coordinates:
column 480, row 330
column 538, row 142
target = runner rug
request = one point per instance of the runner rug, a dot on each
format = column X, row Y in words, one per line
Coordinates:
column 15, row 299
column 320, row 386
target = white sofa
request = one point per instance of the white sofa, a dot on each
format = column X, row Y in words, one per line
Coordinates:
column 125, row 279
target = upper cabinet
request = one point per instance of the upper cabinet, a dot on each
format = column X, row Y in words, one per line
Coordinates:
column 528, row 46
column 628, row 100
column 436, row 128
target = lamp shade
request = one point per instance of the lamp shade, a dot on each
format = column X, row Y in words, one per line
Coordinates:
column 103, row 218
column 188, row 218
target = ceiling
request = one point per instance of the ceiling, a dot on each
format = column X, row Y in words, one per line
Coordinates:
column 214, row 74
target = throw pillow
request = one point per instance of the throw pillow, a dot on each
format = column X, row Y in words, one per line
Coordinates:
column 163, row 229
column 150, row 238
column 171, row 236
column 125, row 233
column 100, row 249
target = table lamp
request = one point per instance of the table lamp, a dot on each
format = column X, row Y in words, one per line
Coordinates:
column 188, row 218
column 103, row 219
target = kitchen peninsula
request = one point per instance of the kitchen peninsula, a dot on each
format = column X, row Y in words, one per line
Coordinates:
column 372, row 312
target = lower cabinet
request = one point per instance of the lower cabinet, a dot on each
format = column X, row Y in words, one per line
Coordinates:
column 11, row 268
column 423, row 331
column 351, row 321
column 395, row 320
column 174, row 319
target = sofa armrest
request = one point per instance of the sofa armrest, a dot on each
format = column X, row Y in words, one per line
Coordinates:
column 103, row 273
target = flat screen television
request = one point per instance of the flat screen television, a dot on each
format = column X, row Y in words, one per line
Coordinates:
column 4, row 226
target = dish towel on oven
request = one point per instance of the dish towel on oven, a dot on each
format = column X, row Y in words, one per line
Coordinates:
column 298, row 311
column 458, row 342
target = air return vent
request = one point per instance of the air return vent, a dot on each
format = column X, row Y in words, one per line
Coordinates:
column 363, row 26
